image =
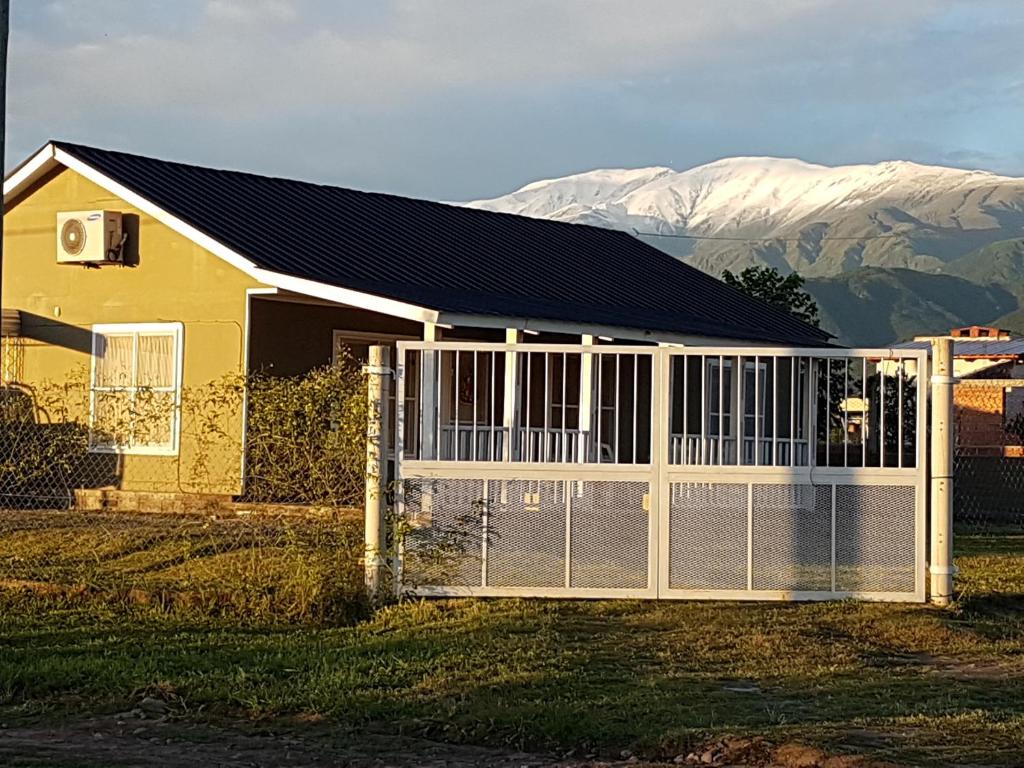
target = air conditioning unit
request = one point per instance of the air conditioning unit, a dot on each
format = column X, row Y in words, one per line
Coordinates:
column 89, row 237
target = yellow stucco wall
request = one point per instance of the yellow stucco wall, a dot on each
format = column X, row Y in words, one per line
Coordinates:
column 174, row 280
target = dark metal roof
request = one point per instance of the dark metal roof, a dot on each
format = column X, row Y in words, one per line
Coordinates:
column 974, row 347
column 447, row 257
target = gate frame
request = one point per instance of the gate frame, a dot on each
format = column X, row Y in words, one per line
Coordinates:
column 659, row 473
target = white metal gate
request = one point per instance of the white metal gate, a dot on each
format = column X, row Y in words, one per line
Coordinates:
column 614, row 471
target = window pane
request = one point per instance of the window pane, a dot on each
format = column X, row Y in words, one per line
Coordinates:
column 112, row 419
column 156, row 361
column 153, row 418
column 114, row 360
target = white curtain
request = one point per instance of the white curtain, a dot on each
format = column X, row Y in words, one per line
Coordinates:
column 156, row 361
column 114, row 360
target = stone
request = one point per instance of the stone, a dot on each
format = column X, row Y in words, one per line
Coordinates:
column 153, row 706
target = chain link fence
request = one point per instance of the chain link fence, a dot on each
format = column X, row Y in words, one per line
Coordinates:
column 64, row 445
column 269, row 526
column 989, row 459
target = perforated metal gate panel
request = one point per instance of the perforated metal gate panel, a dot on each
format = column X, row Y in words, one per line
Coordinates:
column 814, row 516
column 792, row 537
column 875, row 538
column 526, row 534
column 444, row 546
column 708, row 536
column 609, row 535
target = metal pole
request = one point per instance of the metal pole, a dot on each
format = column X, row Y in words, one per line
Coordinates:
column 377, row 372
column 942, row 382
column 5, row 12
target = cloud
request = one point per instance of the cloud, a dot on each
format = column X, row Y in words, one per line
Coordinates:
column 242, row 58
column 457, row 98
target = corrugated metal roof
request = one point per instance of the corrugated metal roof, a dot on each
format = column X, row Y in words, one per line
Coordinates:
column 449, row 258
column 977, row 347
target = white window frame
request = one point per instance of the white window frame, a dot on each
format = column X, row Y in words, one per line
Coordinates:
column 177, row 330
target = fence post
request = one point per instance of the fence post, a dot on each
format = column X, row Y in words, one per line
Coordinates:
column 377, row 371
column 942, row 382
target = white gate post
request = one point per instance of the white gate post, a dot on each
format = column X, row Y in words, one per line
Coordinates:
column 377, row 372
column 942, row 382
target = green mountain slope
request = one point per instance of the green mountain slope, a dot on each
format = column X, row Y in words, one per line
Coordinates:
column 999, row 264
column 873, row 306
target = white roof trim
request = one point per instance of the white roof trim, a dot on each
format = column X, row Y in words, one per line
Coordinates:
column 51, row 156
column 579, row 329
column 352, row 298
column 41, row 162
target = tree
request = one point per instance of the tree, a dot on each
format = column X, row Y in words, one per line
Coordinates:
column 767, row 284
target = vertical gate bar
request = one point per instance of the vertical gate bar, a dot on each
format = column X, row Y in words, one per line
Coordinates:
column 721, row 409
column 685, row 446
column 738, row 405
column 421, row 416
column 671, row 374
column 527, row 416
column 548, row 401
column 618, row 388
column 458, row 354
column 881, row 413
column 568, row 532
column 750, row 536
column 701, row 445
column 828, row 412
column 400, row 414
column 833, row 537
column 565, row 378
column 399, row 408
column 485, row 527
column 473, row 449
column 636, row 403
column 794, row 375
column 808, row 418
column 599, row 358
column 491, row 403
column 864, row 412
column 899, row 411
column 437, row 410
column 775, row 409
column 845, row 405
column 757, row 410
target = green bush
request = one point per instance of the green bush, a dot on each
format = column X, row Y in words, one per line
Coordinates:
column 307, row 437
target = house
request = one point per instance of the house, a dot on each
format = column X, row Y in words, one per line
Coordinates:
column 989, row 404
column 204, row 273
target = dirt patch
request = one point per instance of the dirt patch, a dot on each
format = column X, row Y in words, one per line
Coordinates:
column 954, row 668
column 995, row 669
column 169, row 744
column 760, row 753
column 146, row 736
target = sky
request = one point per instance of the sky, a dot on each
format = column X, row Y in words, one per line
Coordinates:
column 463, row 99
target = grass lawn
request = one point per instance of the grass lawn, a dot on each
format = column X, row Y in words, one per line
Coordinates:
column 911, row 683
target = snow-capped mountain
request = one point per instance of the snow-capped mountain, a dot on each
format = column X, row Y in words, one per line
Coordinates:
column 817, row 219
